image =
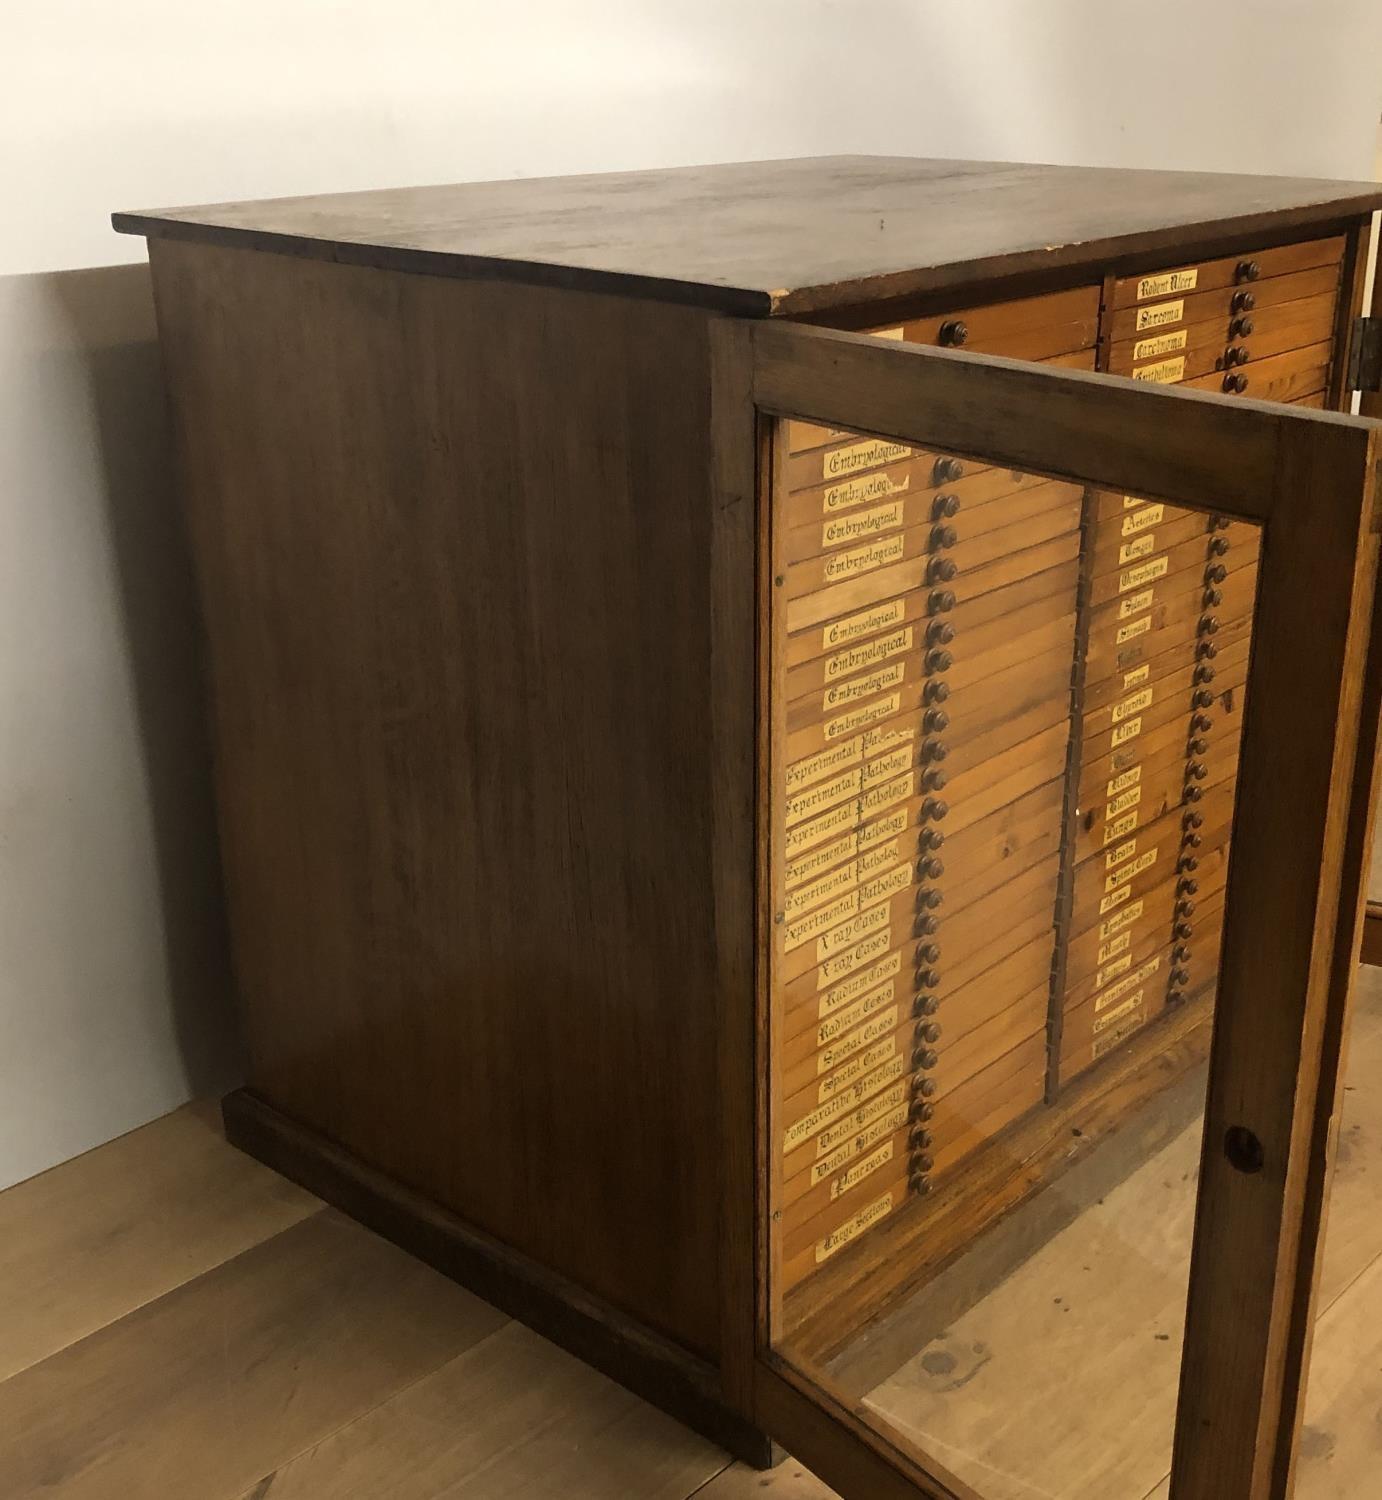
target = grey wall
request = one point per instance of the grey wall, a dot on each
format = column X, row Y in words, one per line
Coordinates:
column 113, row 978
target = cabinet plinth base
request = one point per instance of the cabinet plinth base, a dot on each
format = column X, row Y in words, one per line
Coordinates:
column 651, row 1366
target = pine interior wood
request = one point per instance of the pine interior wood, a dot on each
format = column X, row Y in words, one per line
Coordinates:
column 302, row 1359
column 772, row 237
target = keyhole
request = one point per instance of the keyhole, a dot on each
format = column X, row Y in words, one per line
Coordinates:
column 1243, row 1149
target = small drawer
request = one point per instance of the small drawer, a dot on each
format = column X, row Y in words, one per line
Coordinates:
column 1243, row 268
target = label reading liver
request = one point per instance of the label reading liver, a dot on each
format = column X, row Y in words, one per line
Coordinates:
column 1167, row 283
column 1160, row 315
column 1164, row 372
column 1162, row 343
column 1126, row 732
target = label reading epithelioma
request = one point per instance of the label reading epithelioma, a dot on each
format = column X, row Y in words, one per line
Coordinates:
column 1164, row 372
column 1161, row 344
column 1159, row 316
column 859, row 560
column 867, row 489
column 841, row 529
column 851, row 1229
column 841, row 461
column 1167, row 283
column 1149, row 515
column 860, row 1171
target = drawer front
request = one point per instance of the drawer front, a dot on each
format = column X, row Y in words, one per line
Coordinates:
column 1036, row 328
column 1245, row 268
column 1224, row 346
column 1220, row 306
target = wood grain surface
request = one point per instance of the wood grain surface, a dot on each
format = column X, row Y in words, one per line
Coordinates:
column 778, row 236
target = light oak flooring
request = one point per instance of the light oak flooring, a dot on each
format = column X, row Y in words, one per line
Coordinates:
column 1061, row 1383
column 179, row 1323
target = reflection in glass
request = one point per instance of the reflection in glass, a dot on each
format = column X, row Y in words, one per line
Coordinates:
column 1006, row 724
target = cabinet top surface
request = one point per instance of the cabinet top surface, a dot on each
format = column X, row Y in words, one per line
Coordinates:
column 776, row 237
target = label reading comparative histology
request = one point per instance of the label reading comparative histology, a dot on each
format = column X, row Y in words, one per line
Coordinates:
column 853, row 1102
column 848, row 1068
column 1161, row 315
column 1167, row 283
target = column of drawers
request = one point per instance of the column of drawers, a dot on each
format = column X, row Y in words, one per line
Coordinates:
column 925, row 722
column 1170, row 595
column 1259, row 324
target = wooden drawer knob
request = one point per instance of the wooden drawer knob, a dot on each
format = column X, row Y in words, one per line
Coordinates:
column 953, row 334
column 1248, row 270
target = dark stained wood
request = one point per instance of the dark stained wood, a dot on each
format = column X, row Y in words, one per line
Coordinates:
column 468, row 813
column 656, row 1368
column 1286, row 969
column 773, row 237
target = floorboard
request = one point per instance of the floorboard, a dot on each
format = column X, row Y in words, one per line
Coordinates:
column 200, row 1394
column 99, row 1236
column 503, row 1419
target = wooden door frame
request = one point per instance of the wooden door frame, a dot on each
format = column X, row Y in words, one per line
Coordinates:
column 1309, row 479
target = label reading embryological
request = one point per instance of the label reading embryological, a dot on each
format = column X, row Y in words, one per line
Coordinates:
column 1167, row 283
column 1160, row 315
column 841, row 565
column 866, row 622
column 841, row 461
column 870, row 713
column 857, row 658
column 866, row 489
column 840, row 693
column 852, row 528
column 1161, row 344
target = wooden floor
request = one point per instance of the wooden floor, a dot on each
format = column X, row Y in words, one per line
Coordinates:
column 178, row 1323
column 1061, row 1383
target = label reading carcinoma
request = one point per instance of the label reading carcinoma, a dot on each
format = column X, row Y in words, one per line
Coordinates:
column 1161, row 344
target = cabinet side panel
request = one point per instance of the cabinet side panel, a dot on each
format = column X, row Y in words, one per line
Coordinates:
column 453, row 543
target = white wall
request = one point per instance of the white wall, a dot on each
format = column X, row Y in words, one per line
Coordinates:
column 112, row 961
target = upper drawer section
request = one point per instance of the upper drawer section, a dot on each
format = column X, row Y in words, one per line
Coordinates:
column 1032, row 328
column 1229, row 271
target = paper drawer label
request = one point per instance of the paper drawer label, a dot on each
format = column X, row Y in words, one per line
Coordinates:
column 841, row 529
column 1166, row 283
column 867, row 489
column 1149, row 515
column 867, row 622
column 1160, row 315
column 851, row 1229
column 1164, row 372
column 841, row 461
column 1161, row 344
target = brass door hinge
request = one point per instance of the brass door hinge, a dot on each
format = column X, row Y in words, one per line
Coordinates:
column 1365, row 355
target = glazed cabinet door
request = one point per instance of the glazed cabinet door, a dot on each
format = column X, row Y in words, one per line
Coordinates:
column 1061, row 690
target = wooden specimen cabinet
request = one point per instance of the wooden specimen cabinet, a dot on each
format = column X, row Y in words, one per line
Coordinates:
column 733, row 690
